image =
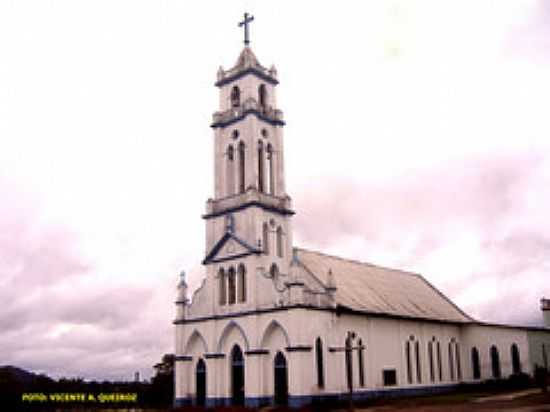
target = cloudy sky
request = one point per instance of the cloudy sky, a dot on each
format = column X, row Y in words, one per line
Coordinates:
column 417, row 136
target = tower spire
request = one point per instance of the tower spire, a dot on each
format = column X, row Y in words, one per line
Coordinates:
column 247, row 20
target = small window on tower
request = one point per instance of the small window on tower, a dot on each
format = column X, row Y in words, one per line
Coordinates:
column 235, row 97
column 262, row 96
column 264, row 133
column 235, row 134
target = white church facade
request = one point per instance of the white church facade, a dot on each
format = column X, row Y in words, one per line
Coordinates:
column 276, row 324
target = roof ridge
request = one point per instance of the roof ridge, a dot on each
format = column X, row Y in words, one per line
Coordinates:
column 359, row 262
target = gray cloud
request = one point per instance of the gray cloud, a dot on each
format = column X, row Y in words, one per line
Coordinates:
column 495, row 202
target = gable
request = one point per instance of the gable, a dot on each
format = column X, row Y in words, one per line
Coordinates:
column 229, row 247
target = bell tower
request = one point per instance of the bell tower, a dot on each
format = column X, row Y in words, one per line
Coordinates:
column 248, row 221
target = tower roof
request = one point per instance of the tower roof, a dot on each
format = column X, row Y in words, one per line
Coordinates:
column 247, row 63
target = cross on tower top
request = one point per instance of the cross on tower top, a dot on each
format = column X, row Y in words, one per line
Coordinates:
column 247, row 19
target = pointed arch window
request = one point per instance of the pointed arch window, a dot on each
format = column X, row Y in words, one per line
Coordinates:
column 476, row 368
column 241, row 167
column 242, row 283
column 230, row 170
column 458, row 365
column 280, row 242
column 516, row 362
column 418, row 366
column 495, row 362
column 265, row 238
column 261, row 171
column 270, row 170
column 231, row 284
column 262, row 96
column 235, row 96
column 361, row 363
column 439, row 363
column 319, row 363
column 408, row 360
column 451, row 362
column 221, row 287
column 431, row 360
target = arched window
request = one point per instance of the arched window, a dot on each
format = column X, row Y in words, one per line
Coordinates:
column 280, row 242
column 439, row 363
column 516, row 362
column 200, row 381
column 241, row 167
column 319, row 359
column 265, row 238
column 361, row 365
column 261, row 186
column 495, row 362
column 431, row 360
column 262, row 96
column 230, row 171
column 270, row 171
column 235, row 97
column 476, row 368
column 237, row 376
column 242, row 283
column 221, row 288
column 417, row 357
column 451, row 362
column 231, row 285
column 458, row 365
column 408, row 360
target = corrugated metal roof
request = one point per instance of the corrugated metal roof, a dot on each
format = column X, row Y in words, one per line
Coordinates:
column 370, row 288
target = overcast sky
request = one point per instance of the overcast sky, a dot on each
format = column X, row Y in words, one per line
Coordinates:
column 417, row 136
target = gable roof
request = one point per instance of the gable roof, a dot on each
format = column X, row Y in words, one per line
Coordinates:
column 211, row 256
column 378, row 290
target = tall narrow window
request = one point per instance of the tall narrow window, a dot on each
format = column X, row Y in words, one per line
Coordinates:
column 451, row 362
column 417, row 357
column 230, row 171
column 280, row 242
column 235, row 97
column 231, row 284
column 431, row 360
column 495, row 362
column 261, row 186
column 319, row 359
column 439, row 363
column 242, row 283
column 274, row 271
column 241, row 167
column 270, row 171
column 544, row 357
column 458, row 365
column 408, row 360
column 361, row 364
column 262, row 96
column 265, row 238
column 222, row 288
column 476, row 368
column 516, row 362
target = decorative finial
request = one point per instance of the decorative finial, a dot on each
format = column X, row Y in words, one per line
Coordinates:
column 247, row 19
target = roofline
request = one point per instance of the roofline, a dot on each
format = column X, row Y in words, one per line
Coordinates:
column 507, row 326
column 242, row 73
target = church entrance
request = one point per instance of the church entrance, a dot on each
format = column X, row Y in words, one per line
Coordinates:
column 237, row 376
column 280, row 379
column 200, row 373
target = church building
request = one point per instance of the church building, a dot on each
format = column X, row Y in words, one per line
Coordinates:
column 273, row 323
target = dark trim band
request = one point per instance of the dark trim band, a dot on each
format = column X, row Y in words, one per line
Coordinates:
column 257, row 352
column 214, row 355
column 246, row 205
column 298, row 348
column 257, row 113
column 183, row 358
column 243, row 73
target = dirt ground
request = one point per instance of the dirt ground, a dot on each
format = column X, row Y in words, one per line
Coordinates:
column 532, row 400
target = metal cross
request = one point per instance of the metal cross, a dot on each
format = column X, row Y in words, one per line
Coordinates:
column 247, row 19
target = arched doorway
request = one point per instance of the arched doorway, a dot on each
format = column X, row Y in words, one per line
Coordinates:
column 280, row 379
column 200, row 378
column 237, row 376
